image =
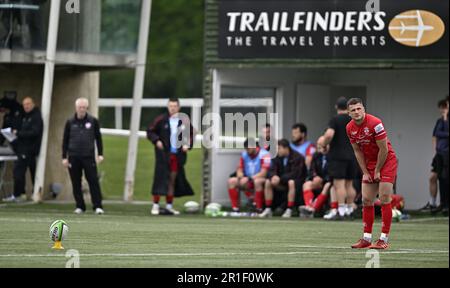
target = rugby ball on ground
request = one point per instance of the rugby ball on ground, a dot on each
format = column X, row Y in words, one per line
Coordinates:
column 191, row 207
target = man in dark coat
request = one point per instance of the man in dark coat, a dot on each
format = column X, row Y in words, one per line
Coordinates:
column 81, row 136
column 173, row 135
column 288, row 171
column 27, row 147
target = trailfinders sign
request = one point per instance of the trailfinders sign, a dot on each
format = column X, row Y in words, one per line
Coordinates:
column 315, row 29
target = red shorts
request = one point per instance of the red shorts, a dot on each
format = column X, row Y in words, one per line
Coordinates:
column 173, row 163
column 388, row 172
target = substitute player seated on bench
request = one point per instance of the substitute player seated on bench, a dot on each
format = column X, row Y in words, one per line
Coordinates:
column 287, row 172
column 318, row 183
column 250, row 176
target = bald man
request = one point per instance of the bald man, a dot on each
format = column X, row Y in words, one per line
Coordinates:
column 81, row 137
column 27, row 147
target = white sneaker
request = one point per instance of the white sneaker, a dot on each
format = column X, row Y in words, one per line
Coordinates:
column 173, row 211
column 10, row 199
column 99, row 211
column 349, row 211
column 331, row 214
column 287, row 213
column 266, row 213
column 306, row 211
column 78, row 211
column 155, row 209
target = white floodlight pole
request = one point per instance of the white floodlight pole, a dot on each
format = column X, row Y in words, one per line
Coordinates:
column 47, row 92
column 139, row 78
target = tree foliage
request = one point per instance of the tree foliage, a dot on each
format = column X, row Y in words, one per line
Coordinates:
column 174, row 59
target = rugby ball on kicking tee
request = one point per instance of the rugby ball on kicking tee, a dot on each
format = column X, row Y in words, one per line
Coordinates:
column 58, row 230
column 191, row 207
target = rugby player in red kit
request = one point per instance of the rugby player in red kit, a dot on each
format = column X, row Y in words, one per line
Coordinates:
column 378, row 163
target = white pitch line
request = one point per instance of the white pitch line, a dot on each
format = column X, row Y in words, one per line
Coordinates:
column 163, row 254
column 360, row 252
column 401, row 250
column 49, row 220
column 428, row 219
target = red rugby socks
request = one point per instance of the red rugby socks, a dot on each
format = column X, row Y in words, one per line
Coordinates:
column 234, row 197
column 259, row 199
column 320, row 201
column 308, row 197
column 368, row 218
column 386, row 216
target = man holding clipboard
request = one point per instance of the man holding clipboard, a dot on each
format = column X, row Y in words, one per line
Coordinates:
column 26, row 141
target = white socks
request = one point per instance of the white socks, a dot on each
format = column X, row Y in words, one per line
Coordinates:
column 345, row 209
column 342, row 209
column 433, row 201
column 349, row 209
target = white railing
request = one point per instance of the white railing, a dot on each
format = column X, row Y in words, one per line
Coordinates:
column 195, row 104
column 197, row 143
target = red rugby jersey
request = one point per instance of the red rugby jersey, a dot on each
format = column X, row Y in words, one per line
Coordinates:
column 366, row 135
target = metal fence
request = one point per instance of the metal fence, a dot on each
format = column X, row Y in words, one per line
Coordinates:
column 195, row 104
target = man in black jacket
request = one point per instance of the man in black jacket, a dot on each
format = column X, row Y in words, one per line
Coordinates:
column 81, row 133
column 27, row 146
column 288, row 171
column 173, row 135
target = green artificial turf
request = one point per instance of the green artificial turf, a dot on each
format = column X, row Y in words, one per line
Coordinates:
column 127, row 236
column 112, row 171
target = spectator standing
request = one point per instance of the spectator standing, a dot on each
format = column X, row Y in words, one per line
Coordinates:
column 173, row 136
column 439, row 166
column 81, row 136
column 27, row 146
column 342, row 165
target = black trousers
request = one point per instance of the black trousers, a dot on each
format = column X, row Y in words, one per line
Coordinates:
column 89, row 166
column 443, row 191
column 20, row 171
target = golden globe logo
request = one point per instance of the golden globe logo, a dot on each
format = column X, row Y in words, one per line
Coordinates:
column 417, row 28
